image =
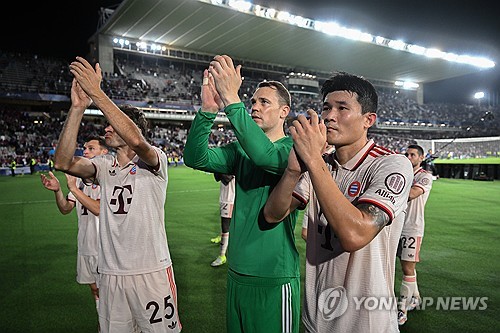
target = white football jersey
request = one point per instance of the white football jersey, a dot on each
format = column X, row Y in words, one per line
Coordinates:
column 336, row 280
column 132, row 216
column 88, row 223
column 414, row 223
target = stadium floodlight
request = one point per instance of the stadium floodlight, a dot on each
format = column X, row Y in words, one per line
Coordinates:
column 416, row 49
column 408, row 85
column 397, row 44
column 283, row 16
column 434, row 53
column 242, row 6
column 479, row 95
column 329, row 28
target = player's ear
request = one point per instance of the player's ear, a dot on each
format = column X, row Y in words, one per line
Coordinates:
column 370, row 119
column 285, row 110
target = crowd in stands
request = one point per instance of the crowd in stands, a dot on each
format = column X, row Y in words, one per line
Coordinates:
column 153, row 81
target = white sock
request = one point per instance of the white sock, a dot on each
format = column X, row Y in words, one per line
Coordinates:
column 416, row 293
column 223, row 243
column 406, row 292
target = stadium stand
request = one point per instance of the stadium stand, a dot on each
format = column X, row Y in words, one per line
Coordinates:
column 30, row 124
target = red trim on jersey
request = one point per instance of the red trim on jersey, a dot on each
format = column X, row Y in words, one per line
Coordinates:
column 381, row 206
column 302, row 200
column 173, row 291
column 417, row 252
column 419, row 186
column 383, row 150
column 360, row 161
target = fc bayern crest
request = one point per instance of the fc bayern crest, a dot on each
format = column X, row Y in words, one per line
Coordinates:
column 354, row 189
column 133, row 171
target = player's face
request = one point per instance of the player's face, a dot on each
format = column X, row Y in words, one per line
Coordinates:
column 112, row 138
column 414, row 157
column 93, row 148
column 266, row 110
column 345, row 124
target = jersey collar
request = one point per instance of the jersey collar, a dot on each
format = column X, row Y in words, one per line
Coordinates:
column 357, row 159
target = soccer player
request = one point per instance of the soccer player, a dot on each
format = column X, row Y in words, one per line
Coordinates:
column 136, row 282
column 413, row 233
column 86, row 200
column 356, row 198
column 226, row 202
column 263, row 285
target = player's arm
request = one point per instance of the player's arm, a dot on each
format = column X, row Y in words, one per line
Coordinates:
column 415, row 192
column 355, row 226
column 92, row 205
column 90, row 81
column 51, row 183
column 281, row 201
column 198, row 156
column 64, row 155
column 259, row 148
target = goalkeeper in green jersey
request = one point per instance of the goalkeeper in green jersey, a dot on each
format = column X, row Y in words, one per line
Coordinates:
column 263, row 287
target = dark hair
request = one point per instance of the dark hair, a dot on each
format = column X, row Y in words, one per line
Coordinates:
column 137, row 116
column 98, row 138
column 418, row 148
column 283, row 93
column 367, row 95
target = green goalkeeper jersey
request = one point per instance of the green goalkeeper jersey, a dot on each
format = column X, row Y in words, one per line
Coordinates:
column 256, row 248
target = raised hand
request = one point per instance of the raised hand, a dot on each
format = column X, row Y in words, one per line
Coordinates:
column 79, row 99
column 295, row 163
column 50, row 183
column 210, row 99
column 71, row 182
column 227, row 78
column 88, row 78
column 309, row 136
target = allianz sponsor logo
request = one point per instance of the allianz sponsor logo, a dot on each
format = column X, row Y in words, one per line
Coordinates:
column 386, row 194
column 333, row 303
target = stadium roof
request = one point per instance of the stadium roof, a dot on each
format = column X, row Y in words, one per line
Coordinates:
column 202, row 27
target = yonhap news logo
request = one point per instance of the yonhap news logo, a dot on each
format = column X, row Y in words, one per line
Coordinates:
column 333, row 303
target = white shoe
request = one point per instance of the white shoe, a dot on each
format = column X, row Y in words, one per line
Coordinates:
column 220, row 260
column 401, row 317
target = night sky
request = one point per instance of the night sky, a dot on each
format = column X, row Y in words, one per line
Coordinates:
column 62, row 30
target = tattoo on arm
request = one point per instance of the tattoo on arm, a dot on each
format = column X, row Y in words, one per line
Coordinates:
column 379, row 217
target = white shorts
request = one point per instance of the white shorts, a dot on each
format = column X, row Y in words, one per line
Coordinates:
column 86, row 269
column 147, row 301
column 226, row 209
column 409, row 248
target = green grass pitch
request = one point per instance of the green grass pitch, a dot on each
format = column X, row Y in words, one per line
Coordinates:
column 38, row 291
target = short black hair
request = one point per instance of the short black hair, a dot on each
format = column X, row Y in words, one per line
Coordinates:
column 283, row 93
column 340, row 81
column 418, row 148
column 98, row 138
